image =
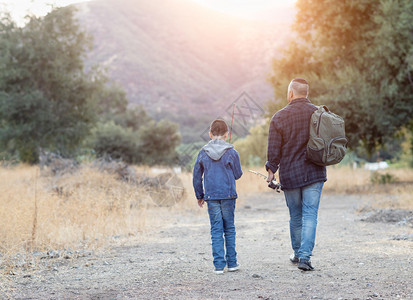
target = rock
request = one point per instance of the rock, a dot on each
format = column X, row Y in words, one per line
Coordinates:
column 403, row 237
column 400, row 216
column 55, row 165
column 165, row 189
column 256, row 276
column 53, row 254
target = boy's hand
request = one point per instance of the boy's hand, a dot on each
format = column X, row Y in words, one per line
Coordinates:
column 270, row 176
column 201, row 203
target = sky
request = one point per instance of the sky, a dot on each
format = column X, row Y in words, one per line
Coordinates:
column 20, row 8
column 243, row 8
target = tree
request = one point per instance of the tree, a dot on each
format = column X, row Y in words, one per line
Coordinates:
column 115, row 141
column 158, row 142
column 253, row 148
column 47, row 100
column 45, row 94
column 358, row 58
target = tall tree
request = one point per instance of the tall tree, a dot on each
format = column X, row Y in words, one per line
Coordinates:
column 45, row 94
column 358, row 58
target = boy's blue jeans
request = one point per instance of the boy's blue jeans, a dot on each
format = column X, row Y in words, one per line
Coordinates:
column 221, row 216
column 303, row 204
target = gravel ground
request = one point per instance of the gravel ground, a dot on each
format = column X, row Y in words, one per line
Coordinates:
column 353, row 259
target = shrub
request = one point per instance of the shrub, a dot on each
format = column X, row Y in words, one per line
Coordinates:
column 379, row 178
column 117, row 142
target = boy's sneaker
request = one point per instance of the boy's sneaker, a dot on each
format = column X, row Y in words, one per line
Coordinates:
column 294, row 259
column 305, row 265
column 233, row 269
column 219, row 272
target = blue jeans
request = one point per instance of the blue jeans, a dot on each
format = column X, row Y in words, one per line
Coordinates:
column 221, row 216
column 303, row 205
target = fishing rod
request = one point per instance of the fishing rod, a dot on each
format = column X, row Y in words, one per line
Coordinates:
column 232, row 121
column 273, row 184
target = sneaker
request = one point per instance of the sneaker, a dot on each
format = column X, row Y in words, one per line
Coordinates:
column 233, row 269
column 305, row 265
column 219, row 272
column 294, row 259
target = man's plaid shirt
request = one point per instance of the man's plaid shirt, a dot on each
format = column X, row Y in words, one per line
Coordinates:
column 287, row 141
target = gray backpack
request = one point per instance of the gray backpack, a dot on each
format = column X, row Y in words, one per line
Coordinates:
column 327, row 144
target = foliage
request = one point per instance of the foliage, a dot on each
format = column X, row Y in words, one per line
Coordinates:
column 253, row 149
column 44, row 92
column 48, row 100
column 109, row 139
column 382, row 178
column 154, row 143
column 407, row 147
column 158, row 142
column 358, row 58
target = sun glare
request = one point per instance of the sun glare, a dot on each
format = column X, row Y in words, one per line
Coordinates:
column 245, row 8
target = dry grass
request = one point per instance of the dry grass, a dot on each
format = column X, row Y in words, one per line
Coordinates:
column 75, row 210
column 398, row 194
column 85, row 209
column 341, row 180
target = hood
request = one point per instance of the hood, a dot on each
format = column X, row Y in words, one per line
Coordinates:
column 216, row 148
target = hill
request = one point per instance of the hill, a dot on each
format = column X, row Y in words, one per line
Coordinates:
column 181, row 60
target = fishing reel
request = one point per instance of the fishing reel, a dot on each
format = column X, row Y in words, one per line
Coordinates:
column 275, row 185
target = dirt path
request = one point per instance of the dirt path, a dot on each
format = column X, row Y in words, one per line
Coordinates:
column 353, row 260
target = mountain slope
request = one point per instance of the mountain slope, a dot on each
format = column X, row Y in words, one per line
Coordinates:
column 176, row 56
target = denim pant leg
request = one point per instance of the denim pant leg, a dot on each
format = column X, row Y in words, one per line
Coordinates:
column 217, row 231
column 294, row 203
column 311, row 195
column 228, row 208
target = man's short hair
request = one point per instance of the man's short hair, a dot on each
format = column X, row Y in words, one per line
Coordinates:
column 218, row 127
column 299, row 86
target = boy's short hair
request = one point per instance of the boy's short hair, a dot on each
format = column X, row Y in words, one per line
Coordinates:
column 218, row 127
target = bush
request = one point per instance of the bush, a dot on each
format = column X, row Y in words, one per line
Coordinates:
column 109, row 139
column 253, row 149
column 154, row 143
column 379, row 178
column 158, row 142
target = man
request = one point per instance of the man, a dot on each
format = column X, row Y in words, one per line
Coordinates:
column 301, row 180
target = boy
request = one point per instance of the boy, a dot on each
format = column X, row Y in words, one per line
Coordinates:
column 219, row 162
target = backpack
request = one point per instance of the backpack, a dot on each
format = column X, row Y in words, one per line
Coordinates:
column 327, row 144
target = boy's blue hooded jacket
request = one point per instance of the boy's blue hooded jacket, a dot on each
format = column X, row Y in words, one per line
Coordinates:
column 220, row 165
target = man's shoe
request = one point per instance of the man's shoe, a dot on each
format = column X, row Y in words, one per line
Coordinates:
column 305, row 265
column 233, row 269
column 294, row 259
column 219, row 272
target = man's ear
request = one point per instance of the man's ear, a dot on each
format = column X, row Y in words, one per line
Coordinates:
column 226, row 135
column 290, row 95
column 210, row 135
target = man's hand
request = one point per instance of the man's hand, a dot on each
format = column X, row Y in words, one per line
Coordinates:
column 201, row 203
column 270, row 176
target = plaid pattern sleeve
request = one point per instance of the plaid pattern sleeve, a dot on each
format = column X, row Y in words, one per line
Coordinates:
column 274, row 147
column 287, row 141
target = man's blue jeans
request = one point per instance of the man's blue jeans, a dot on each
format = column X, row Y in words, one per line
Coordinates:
column 221, row 216
column 303, row 205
